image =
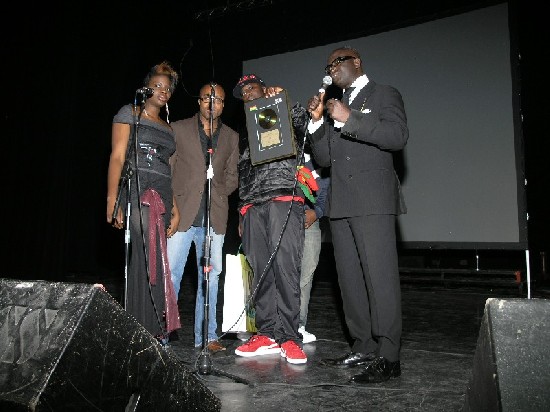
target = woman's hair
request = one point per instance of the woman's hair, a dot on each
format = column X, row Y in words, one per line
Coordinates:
column 163, row 68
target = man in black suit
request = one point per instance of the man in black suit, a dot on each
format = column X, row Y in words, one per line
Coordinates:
column 357, row 140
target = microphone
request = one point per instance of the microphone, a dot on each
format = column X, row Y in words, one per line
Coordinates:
column 213, row 90
column 147, row 91
column 327, row 81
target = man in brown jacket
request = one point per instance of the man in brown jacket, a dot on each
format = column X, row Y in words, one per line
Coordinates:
column 206, row 151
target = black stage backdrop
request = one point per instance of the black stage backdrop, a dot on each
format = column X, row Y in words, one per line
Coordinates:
column 68, row 68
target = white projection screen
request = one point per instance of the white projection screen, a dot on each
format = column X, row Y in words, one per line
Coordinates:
column 462, row 169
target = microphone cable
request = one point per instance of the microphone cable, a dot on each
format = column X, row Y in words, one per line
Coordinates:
column 300, row 161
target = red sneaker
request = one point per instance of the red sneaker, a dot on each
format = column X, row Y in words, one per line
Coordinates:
column 293, row 353
column 258, row 345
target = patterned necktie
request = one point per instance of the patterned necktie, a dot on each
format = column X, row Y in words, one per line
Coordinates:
column 347, row 94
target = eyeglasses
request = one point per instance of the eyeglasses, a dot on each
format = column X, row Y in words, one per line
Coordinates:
column 206, row 99
column 329, row 68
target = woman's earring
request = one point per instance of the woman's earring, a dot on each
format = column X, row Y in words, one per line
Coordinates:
column 167, row 113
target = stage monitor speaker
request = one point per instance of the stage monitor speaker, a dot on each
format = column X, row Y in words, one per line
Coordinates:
column 511, row 369
column 269, row 126
column 70, row 346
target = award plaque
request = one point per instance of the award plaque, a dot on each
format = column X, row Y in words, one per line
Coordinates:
column 270, row 132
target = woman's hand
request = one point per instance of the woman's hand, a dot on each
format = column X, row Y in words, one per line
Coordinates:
column 174, row 221
column 119, row 218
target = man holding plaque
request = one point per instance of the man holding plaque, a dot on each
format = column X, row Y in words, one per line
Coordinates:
column 272, row 228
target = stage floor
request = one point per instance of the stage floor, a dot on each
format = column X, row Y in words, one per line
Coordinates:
column 440, row 330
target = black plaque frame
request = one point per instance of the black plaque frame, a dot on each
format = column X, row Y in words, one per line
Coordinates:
column 269, row 137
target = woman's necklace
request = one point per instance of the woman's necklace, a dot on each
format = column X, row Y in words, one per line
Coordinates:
column 155, row 119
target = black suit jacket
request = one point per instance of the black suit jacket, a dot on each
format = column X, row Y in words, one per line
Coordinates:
column 363, row 179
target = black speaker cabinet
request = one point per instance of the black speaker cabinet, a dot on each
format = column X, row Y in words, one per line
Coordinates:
column 67, row 347
column 270, row 132
column 511, row 369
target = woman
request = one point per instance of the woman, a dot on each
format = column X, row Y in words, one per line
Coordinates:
column 149, row 293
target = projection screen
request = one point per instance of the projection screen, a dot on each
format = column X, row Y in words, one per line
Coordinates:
column 462, row 169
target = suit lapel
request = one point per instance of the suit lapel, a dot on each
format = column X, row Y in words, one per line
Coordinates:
column 191, row 144
column 361, row 99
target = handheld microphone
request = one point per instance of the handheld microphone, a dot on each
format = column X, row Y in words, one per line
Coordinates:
column 327, row 81
column 147, row 91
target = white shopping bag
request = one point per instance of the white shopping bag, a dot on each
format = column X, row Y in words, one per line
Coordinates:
column 235, row 295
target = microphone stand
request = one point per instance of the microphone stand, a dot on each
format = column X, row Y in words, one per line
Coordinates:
column 204, row 361
column 126, row 175
column 125, row 181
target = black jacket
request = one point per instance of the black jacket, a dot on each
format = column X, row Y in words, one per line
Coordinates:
column 360, row 155
column 261, row 183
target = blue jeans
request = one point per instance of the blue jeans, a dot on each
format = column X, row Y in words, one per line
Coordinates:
column 310, row 259
column 178, row 250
